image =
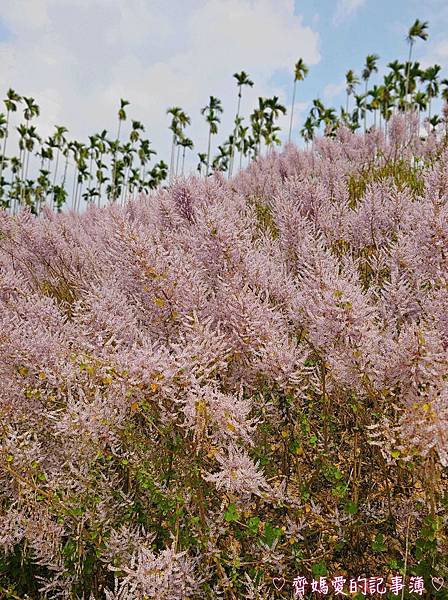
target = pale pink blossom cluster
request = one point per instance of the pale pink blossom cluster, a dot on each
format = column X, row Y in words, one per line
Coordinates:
column 160, row 328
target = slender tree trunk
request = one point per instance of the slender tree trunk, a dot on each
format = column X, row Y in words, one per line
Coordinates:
column 98, row 202
column 54, row 176
column 23, row 168
column 365, row 109
column 183, row 160
column 98, row 179
column 126, row 177
column 114, row 189
column 234, row 133
column 346, row 104
column 73, row 190
column 90, row 169
column 408, row 70
column 172, row 156
column 208, row 150
column 27, row 164
column 292, row 108
column 78, row 195
column 39, row 200
column 22, row 178
column 4, row 144
column 177, row 161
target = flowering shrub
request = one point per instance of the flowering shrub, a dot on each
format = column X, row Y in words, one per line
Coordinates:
column 230, row 381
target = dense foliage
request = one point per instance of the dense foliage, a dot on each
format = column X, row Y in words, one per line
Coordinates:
column 61, row 173
column 229, row 381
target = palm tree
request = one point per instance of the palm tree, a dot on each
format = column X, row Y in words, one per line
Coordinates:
column 430, row 75
column 396, row 67
column 257, row 119
column 221, row 161
column 202, row 161
column 19, row 176
column 307, row 132
column 375, row 103
column 395, row 79
column 242, row 131
column 43, row 182
column 121, row 118
column 212, row 109
column 242, row 79
column 300, row 72
column 434, row 121
column 179, row 119
column 351, row 81
column 3, row 132
column 421, row 102
column 275, row 109
column 330, row 121
column 185, row 143
column 360, row 109
column 11, row 101
column 317, row 112
column 128, row 151
column 14, row 186
column 385, row 98
column 57, row 141
column 80, row 154
column 369, row 68
column 144, row 154
column 444, row 94
column 249, row 148
column 32, row 136
column 60, row 193
column 183, row 120
column 30, row 111
column 93, row 155
column 101, row 144
column 414, row 72
column 417, row 30
column 134, row 136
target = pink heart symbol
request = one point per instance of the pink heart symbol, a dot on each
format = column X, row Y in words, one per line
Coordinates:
column 437, row 583
column 278, row 582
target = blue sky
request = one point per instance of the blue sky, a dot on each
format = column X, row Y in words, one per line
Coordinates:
column 77, row 58
column 371, row 27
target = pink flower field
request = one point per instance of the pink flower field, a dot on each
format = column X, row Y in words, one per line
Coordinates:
column 228, row 383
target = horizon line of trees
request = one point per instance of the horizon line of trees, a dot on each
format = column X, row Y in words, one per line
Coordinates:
column 115, row 168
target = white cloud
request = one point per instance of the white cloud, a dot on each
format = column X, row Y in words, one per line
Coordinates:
column 77, row 58
column 345, row 9
column 437, row 53
column 333, row 89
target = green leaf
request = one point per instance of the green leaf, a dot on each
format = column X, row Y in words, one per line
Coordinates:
column 231, row 513
column 319, row 569
column 350, row 507
column 270, row 534
column 378, row 544
column 294, row 445
column 252, row 525
column 339, row 490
